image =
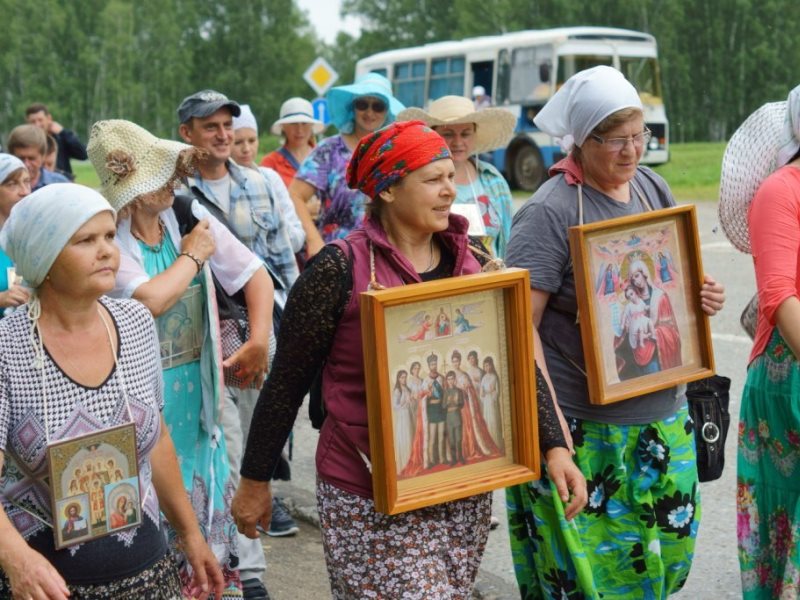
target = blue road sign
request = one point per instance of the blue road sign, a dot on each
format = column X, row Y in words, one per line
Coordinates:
column 320, row 106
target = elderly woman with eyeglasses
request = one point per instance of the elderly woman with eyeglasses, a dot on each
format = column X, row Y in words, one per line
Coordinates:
column 356, row 110
column 635, row 539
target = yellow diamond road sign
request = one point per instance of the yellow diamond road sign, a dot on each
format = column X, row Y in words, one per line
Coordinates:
column 320, row 76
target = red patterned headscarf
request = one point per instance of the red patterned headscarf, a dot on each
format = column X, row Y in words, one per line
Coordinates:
column 384, row 157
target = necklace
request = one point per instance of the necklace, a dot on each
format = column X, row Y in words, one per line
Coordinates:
column 156, row 248
column 430, row 262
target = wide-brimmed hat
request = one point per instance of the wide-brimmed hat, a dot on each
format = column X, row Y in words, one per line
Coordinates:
column 131, row 161
column 340, row 100
column 495, row 126
column 296, row 110
column 751, row 155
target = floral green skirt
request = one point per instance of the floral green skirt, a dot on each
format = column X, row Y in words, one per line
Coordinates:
column 634, row 539
column 768, row 477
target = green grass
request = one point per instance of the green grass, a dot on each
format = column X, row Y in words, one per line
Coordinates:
column 85, row 174
column 693, row 171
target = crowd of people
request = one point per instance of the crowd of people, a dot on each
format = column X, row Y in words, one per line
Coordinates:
column 183, row 308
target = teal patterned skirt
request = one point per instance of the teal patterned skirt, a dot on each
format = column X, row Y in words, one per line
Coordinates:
column 768, row 475
column 635, row 537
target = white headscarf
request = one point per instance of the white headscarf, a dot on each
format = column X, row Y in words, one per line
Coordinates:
column 583, row 102
column 41, row 224
column 790, row 140
column 8, row 164
column 246, row 120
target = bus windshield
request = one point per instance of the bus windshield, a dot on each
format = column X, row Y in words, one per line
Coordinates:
column 569, row 64
column 643, row 74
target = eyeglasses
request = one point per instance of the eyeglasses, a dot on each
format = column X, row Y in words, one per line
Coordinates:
column 377, row 106
column 619, row 143
column 16, row 185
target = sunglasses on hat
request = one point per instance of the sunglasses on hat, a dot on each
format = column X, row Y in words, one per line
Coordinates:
column 377, row 106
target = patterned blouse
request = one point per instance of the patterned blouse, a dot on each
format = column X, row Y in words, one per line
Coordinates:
column 326, row 170
column 75, row 410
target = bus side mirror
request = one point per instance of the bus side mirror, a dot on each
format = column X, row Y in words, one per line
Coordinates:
column 544, row 72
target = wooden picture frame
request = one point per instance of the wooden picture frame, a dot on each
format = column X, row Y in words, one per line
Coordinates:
column 638, row 281
column 90, row 475
column 477, row 329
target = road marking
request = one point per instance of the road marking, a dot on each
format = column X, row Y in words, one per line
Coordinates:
column 717, row 246
column 732, row 337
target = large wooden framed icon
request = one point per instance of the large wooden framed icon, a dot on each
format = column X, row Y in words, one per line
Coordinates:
column 451, row 392
column 94, row 481
column 638, row 281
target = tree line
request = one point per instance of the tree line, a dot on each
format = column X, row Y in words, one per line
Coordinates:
column 96, row 59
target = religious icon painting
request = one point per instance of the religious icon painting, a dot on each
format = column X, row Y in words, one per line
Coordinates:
column 450, row 388
column 638, row 283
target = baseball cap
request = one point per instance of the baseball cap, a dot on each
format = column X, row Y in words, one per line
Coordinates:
column 204, row 104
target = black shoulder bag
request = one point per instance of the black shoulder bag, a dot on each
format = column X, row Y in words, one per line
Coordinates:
column 708, row 406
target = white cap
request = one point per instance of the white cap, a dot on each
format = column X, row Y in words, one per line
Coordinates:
column 246, row 120
column 478, row 90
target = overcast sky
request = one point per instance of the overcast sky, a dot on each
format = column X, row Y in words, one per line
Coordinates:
column 325, row 18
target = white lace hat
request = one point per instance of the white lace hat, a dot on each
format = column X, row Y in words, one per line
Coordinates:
column 131, row 161
column 751, row 155
column 495, row 126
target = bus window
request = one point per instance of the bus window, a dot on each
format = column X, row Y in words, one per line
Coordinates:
column 643, row 74
column 447, row 77
column 501, row 92
column 569, row 64
column 380, row 72
column 528, row 65
column 409, row 83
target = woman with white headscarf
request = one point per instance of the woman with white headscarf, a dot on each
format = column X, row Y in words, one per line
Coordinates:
column 766, row 224
column 635, row 538
column 77, row 362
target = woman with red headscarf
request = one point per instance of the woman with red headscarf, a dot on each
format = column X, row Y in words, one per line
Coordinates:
column 409, row 236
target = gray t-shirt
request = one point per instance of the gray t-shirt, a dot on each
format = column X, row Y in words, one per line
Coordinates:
column 539, row 242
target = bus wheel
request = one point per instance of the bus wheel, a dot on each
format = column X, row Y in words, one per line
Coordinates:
column 528, row 167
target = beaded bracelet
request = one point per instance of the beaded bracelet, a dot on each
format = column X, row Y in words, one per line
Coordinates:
column 196, row 260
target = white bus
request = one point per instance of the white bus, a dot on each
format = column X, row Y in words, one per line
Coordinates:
column 521, row 70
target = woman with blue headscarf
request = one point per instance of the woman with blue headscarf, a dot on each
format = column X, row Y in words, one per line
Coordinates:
column 356, row 110
column 75, row 363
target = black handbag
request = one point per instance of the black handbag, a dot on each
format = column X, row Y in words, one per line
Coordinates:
column 708, row 406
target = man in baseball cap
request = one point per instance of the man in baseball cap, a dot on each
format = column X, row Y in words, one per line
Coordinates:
column 204, row 104
column 244, row 198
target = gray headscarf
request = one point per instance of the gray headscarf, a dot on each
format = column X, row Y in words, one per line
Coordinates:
column 41, row 224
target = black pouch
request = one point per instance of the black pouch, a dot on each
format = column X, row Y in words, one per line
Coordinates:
column 708, row 406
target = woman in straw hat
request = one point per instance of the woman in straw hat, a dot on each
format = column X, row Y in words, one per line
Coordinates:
column 356, row 110
column 468, row 133
column 759, row 212
column 298, row 127
column 171, row 275
column 409, row 236
column 636, row 537
column 15, row 184
column 77, row 362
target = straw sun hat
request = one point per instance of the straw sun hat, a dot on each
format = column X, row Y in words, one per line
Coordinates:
column 131, row 161
column 495, row 126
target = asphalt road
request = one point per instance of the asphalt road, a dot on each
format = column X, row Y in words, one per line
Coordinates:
column 296, row 565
